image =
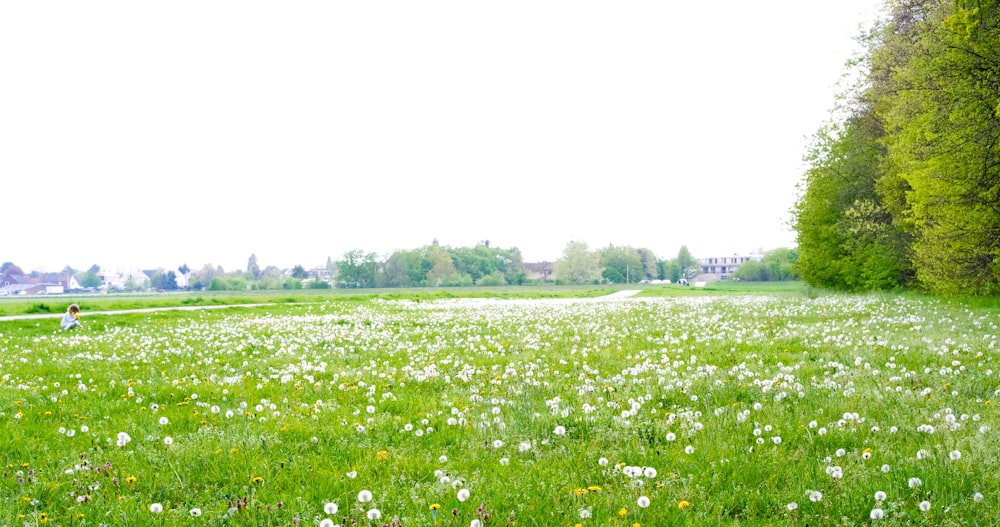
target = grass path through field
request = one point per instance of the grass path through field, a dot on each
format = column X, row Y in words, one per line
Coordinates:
column 626, row 293
column 124, row 311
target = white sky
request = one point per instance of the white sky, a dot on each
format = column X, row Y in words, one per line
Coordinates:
column 152, row 134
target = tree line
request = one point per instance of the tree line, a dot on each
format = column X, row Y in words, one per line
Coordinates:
column 902, row 187
column 435, row 265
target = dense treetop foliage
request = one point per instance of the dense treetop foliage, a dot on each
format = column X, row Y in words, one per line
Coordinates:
column 903, row 189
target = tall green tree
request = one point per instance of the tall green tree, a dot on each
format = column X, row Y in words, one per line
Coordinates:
column 407, row 268
column 90, row 279
column 621, row 265
column 253, row 270
column 578, row 265
column 688, row 264
column 942, row 112
column 847, row 237
column 357, row 269
column 443, row 271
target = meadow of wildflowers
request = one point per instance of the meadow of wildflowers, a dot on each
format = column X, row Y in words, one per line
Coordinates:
column 749, row 410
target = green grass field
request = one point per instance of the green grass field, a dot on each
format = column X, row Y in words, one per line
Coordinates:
column 744, row 407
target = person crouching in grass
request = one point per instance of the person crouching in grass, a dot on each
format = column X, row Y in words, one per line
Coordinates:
column 72, row 318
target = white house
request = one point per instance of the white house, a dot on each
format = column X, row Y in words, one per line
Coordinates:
column 119, row 279
column 722, row 267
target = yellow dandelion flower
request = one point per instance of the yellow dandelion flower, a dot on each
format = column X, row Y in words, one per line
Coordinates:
column 131, row 479
column 382, row 455
column 594, row 488
column 257, row 479
column 579, row 492
column 683, row 504
column 623, row 511
column 435, row 506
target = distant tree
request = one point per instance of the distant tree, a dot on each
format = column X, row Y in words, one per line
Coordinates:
column 752, row 271
column 621, row 265
column 688, row 263
column 253, row 270
column 319, row 284
column 406, row 269
column 357, row 269
column 291, row 283
column 68, row 269
column 781, row 264
column 131, row 284
column 218, row 284
column 670, row 270
column 442, row 271
column 494, row 279
column 299, row 272
column 165, row 280
column 94, row 268
column 184, row 269
column 649, row 263
column 90, row 279
column 578, row 264
column 272, row 271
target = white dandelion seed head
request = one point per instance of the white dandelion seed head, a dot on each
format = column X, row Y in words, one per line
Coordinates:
column 925, row 505
column 156, row 508
column 374, row 514
column 463, row 494
column 365, row 496
column 880, row 496
column 331, row 508
column 876, row 514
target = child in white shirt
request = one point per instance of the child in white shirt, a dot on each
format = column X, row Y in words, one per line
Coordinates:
column 72, row 318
